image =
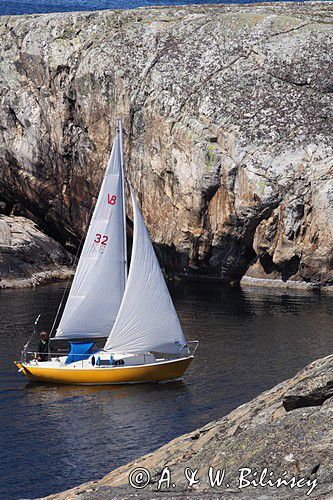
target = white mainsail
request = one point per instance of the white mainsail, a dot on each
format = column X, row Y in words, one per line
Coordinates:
column 147, row 320
column 99, row 283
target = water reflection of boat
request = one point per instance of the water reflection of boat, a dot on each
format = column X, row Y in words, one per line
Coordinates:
column 144, row 339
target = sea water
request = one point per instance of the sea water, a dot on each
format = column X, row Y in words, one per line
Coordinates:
column 56, row 437
column 39, row 6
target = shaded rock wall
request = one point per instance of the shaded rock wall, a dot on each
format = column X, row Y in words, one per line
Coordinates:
column 228, row 130
column 286, row 429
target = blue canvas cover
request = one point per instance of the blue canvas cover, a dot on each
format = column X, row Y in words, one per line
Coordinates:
column 79, row 351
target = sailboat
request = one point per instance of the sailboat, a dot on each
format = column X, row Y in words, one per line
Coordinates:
column 133, row 311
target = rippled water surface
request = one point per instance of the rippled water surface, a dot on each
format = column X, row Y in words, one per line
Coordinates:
column 36, row 6
column 57, row 437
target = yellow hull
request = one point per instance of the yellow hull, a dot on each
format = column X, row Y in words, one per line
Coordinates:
column 154, row 372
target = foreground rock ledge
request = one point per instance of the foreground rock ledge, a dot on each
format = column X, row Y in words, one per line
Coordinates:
column 288, row 428
column 228, row 130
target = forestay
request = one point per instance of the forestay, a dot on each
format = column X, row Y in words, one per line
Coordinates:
column 99, row 282
column 147, row 320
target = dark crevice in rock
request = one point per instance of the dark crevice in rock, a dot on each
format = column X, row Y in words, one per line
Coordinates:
column 5, row 207
column 267, row 263
column 289, row 268
column 314, row 398
column 314, row 470
column 301, row 26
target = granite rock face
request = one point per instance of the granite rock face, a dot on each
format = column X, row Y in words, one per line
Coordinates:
column 227, row 113
column 286, row 429
column 27, row 256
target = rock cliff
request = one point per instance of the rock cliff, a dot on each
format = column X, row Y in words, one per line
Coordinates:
column 286, row 429
column 227, row 113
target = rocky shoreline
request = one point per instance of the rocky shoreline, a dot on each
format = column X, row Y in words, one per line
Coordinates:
column 286, row 285
column 28, row 257
column 37, row 279
column 227, row 120
column 286, row 429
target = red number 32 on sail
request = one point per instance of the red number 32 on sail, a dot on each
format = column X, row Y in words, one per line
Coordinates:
column 101, row 238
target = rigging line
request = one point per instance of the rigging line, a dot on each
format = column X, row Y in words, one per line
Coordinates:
column 79, row 248
column 25, row 347
column 84, row 234
column 48, row 155
column 75, row 261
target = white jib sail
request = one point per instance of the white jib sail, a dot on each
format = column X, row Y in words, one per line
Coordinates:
column 99, row 281
column 147, row 320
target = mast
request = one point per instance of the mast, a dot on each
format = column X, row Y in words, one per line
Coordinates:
column 122, row 173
